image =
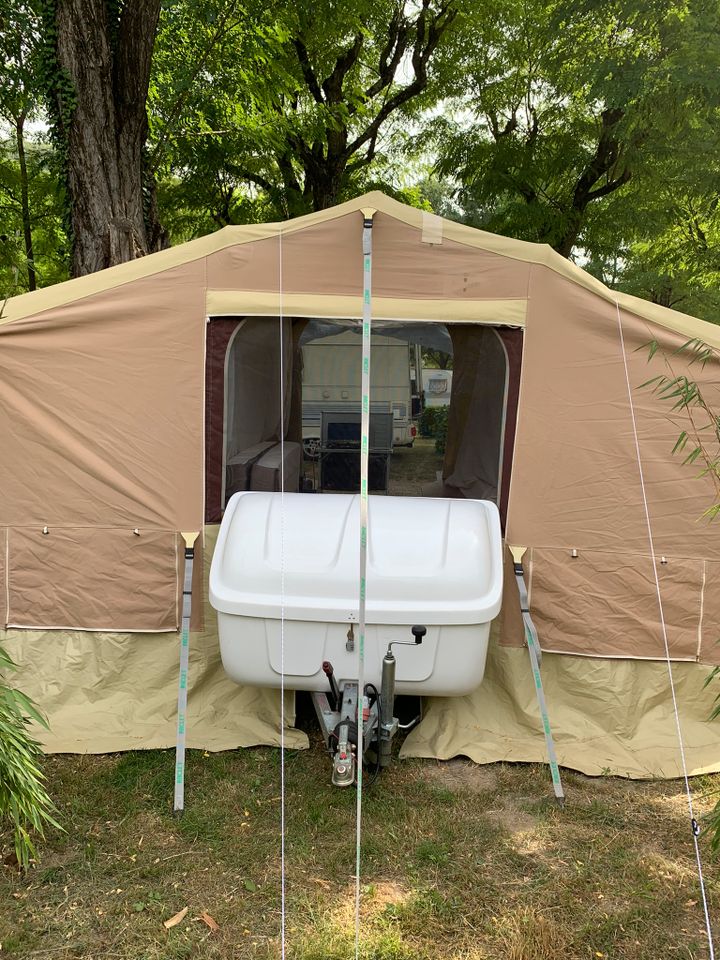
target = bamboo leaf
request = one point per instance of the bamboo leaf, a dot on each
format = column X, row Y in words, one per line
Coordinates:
column 681, row 442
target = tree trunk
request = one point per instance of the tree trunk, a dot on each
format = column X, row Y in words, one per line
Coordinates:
column 25, row 202
column 602, row 166
column 105, row 130
column 463, row 386
column 294, row 430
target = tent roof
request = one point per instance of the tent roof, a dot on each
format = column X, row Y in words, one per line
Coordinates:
column 433, row 228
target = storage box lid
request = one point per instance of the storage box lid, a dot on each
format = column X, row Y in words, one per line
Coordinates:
column 430, row 561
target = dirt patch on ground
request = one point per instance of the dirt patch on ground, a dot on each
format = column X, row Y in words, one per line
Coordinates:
column 460, row 775
column 374, row 900
column 385, row 893
column 521, row 825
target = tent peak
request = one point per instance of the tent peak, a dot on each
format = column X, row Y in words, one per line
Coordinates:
column 439, row 230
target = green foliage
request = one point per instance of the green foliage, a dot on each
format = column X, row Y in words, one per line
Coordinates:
column 610, row 156
column 437, row 359
column 441, row 429
column 698, row 443
column 428, row 423
column 271, row 111
column 434, row 423
column 59, row 96
column 32, row 242
column 50, row 243
column 24, row 800
column 699, row 440
column 263, row 111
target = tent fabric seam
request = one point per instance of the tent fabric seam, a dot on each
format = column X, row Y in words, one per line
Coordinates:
column 503, row 427
column 7, row 575
column 519, row 402
column 531, row 570
column 86, row 526
column 615, row 552
column 616, row 656
column 203, row 426
column 177, row 578
column 702, row 612
column 74, row 629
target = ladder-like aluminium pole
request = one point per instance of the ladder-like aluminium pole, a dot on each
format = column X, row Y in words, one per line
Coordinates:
column 533, row 645
column 179, row 798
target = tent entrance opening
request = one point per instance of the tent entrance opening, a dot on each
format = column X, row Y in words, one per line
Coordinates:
column 443, row 400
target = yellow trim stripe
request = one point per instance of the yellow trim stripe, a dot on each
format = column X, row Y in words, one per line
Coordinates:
column 221, row 303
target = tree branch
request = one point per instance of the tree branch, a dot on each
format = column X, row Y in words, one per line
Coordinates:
column 427, row 37
column 307, row 70
column 391, row 54
column 176, row 110
column 136, row 41
column 332, row 86
column 256, row 178
column 498, row 132
column 602, row 163
column 610, row 187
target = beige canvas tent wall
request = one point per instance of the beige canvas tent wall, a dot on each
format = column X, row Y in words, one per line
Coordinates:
column 103, row 385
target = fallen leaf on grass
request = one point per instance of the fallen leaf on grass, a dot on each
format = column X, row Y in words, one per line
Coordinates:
column 208, row 920
column 178, row 918
column 250, row 886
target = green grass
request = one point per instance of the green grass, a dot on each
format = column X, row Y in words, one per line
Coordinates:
column 459, row 863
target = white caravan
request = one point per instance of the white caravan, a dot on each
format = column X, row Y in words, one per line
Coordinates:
column 437, row 386
column 331, row 380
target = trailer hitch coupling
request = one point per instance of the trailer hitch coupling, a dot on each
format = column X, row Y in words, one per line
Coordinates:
column 337, row 713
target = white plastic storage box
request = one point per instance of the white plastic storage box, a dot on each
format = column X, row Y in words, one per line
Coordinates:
column 285, row 583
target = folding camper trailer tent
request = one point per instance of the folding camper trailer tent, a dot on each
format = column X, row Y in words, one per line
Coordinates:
column 125, row 395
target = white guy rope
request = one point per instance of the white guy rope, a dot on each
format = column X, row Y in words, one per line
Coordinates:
column 282, row 597
column 693, row 822
column 364, row 451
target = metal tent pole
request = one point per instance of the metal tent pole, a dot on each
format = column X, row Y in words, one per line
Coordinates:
column 533, row 645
